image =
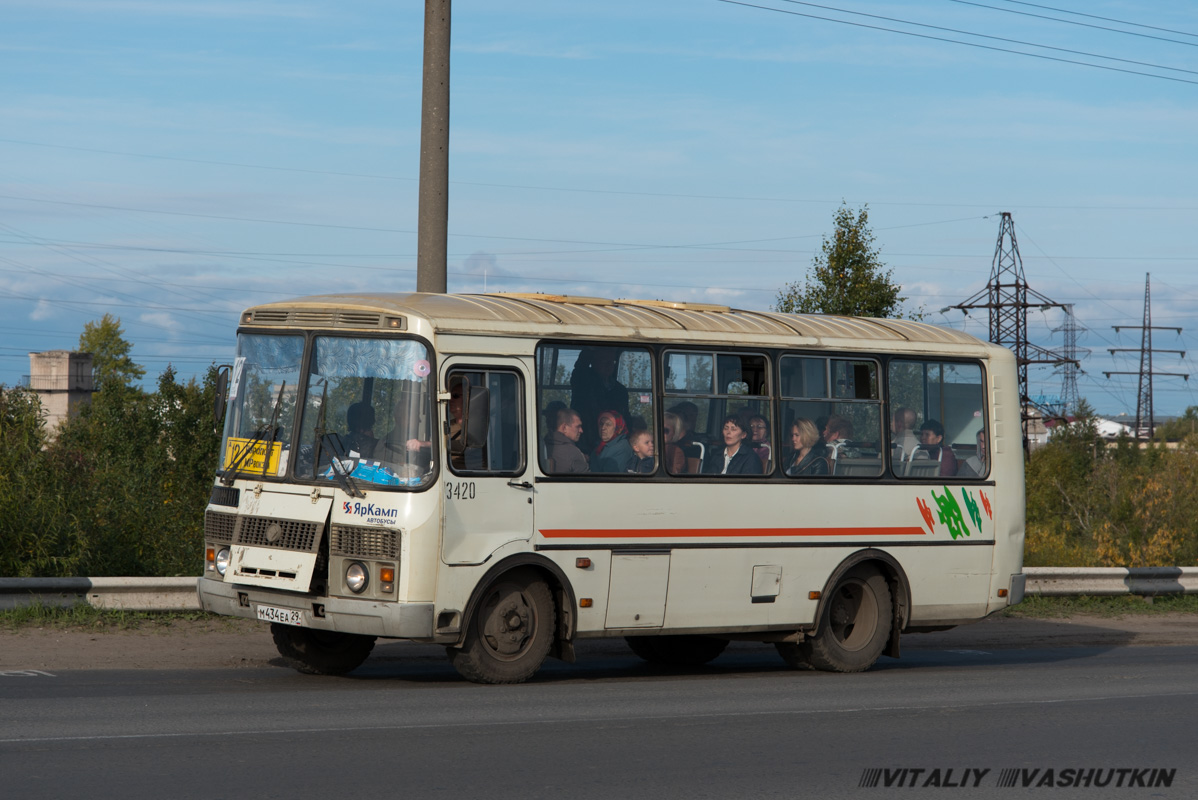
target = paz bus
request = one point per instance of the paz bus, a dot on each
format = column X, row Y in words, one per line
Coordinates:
column 393, row 466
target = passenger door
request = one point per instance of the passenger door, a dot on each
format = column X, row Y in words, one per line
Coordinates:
column 486, row 493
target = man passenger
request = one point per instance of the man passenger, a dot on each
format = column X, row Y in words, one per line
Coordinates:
column 565, row 457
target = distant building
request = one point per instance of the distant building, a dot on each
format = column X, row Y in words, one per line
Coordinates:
column 63, row 382
column 1113, row 429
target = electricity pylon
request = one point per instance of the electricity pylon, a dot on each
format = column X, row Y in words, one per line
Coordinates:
column 1144, row 413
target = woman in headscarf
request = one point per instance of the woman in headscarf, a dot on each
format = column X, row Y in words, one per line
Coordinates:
column 613, row 453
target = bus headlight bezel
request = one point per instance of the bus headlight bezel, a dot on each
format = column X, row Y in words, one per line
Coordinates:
column 223, row 556
column 357, row 577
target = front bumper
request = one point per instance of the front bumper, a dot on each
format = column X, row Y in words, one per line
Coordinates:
column 390, row 620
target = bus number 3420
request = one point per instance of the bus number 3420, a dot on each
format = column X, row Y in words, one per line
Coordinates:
column 462, row 490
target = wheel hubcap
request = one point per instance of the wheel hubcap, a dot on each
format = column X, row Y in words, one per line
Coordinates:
column 853, row 616
column 508, row 622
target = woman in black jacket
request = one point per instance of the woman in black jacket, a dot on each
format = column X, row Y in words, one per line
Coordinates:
column 736, row 457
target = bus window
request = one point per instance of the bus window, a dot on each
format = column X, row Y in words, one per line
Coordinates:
column 938, row 420
column 831, row 417
column 485, row 416
column 702, row 390
column 366, row 400
column 593, row 400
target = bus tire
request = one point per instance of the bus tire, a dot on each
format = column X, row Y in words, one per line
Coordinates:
column 854, row 626
column 316, row 652
column 510, row 633
column 677, row 651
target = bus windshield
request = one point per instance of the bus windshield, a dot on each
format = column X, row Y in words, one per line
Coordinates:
column 261, row 412
column 368, row 413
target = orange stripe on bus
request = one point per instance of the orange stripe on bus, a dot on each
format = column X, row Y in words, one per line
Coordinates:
column 687, row 533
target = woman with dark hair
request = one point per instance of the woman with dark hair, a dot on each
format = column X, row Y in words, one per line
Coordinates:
column 759, row 428
column 736, row 457
column 613, row 453
column 931, row 441
column 808, row 456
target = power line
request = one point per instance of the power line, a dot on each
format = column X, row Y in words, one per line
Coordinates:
column 958, row 41
column 988, row 36
column 576, row 190
column 1104, row 19
column 1082, row 24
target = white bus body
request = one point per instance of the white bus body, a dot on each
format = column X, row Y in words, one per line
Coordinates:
column 449, row 524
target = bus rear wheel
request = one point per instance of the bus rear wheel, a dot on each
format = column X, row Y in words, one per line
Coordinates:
column 853, row 628
column 510, row 633
column 316, row 652
column 677, row 651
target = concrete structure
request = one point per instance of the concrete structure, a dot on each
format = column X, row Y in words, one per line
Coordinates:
column 63, row 381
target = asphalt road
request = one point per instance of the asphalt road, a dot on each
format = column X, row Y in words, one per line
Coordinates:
column 612, row 727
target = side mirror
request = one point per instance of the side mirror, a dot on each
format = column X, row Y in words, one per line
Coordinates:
column 221, row 400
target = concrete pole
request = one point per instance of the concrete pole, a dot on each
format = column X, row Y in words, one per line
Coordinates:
column 433, row 223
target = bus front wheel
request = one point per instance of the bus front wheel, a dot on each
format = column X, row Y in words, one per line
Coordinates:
column 853, row 628
column 509, row 634
column 321, row 652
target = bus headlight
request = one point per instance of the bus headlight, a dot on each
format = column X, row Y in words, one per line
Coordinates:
column 222, row 561
column 357, row 577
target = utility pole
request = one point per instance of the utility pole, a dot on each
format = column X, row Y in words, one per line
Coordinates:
column 432, row 238
column 1144, row 411
column 1006, row 297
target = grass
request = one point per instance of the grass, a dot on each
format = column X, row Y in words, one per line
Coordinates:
column 1119, row 606
column 82, row 617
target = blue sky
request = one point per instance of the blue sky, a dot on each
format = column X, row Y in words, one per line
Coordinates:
column 174, row 162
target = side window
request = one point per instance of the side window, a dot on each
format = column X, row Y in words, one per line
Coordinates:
column 937, row 419
column 484, row 424
column 596, row 409
column 717, row 414
column 831, row 417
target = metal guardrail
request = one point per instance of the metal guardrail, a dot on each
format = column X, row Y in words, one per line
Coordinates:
column 179, row 594
column 1108, row 581
column 127, row 594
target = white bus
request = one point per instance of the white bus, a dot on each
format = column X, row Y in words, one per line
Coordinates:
column 505, row 474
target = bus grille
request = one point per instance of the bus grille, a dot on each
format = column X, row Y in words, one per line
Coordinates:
column 290, row 535
column 359, row 542
column 219, row 527
column 225, row 496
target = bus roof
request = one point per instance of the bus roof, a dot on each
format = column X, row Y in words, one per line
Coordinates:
column 565, row 316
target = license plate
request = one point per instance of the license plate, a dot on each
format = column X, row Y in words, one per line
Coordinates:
column 287, row 616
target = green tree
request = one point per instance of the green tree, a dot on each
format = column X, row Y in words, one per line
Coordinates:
column 847, row 276
column 111, row 364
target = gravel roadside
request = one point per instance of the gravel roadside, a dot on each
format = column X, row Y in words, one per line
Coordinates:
column 232, row 643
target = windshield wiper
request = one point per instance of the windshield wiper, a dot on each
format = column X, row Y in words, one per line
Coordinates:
column 230, row 473
column 329, row 439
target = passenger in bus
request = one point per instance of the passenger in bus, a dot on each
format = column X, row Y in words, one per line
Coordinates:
column 736, row 457
column 594, row 388
column 642, row 446
column 931, row 441
column 901, row 433
column 759, row 427
column 457, row 389
column 613, row 453
column 809, row 455
column 359, row 417
column 564, row 455
column 674, row 457
column 692, row 448
column 975, row 465
column 837, row 432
